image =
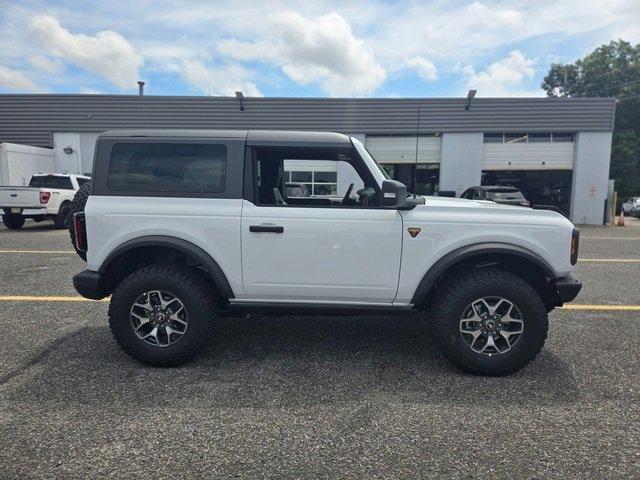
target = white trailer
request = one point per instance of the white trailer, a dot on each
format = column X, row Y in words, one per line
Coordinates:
column 18, row 163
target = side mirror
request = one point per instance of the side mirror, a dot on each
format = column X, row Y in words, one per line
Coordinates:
column 394, row 194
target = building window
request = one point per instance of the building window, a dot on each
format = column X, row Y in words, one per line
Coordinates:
column 317, row 183
column 563, row 137
column 493, row 137
column 539, row 137
column 517, row 137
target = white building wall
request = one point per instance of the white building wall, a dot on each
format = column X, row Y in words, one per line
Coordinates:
column 590, row 177
column 461, row 165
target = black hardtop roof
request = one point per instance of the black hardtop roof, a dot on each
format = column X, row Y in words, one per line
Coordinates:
column 253, row 137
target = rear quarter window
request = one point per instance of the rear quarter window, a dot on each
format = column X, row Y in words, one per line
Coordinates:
column 168, row 167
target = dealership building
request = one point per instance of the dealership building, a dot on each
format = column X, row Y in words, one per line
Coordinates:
column 557, row 151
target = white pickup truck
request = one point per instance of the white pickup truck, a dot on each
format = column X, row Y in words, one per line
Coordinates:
column 48, row 196
column 182, row 226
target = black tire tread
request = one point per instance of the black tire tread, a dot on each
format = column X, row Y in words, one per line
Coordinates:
column 204, row 298
column 78, row 204
column 470, row 280
column 13, row 222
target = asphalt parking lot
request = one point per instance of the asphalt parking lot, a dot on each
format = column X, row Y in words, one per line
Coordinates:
column 320, row 397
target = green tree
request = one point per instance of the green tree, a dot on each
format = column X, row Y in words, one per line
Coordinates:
column 611, row 70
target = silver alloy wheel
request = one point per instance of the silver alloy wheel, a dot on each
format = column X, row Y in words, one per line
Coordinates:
column 159, row 318
column 491, row 325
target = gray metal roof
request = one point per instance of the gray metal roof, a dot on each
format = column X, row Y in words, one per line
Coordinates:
column 31, row 119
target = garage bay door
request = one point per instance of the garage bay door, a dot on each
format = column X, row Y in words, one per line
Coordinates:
column 402, row 149
column 528, row 156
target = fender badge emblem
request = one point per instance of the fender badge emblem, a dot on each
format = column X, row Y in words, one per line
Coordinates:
column 413, row 231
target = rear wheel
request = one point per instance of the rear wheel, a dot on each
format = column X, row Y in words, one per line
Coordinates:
column 490, row 321
column 162, row 315
column 12, row 221
column 60, row 220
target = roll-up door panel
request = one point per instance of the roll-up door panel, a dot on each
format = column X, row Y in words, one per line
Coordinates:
column 403, row 149
column 528, row 156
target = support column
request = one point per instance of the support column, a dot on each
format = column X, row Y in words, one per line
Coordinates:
column 461, row 164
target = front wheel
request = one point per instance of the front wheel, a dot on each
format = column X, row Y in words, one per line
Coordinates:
column 490, row 321
column 12, row 221
column 162, row 315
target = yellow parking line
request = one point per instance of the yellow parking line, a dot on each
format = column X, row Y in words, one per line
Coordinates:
column 34, row 298
column 610, row 260
column 626, row 308
column 66, row 252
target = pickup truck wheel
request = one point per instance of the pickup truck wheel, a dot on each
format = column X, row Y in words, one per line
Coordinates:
column 60, row 220
column 162, row 315
column 490, row 321
column 14, row 222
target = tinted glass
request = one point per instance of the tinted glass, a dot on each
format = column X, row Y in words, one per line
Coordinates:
column 515, row 137
column 61, row 183
column 539, row 137
column 493, row 138
column 168, row 167
column 563, row 137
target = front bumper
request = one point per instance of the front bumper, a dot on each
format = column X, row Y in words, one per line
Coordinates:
column 90, row 284
column 568, row 288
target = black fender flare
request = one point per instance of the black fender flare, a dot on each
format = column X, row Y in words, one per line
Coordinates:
column 473, row 250
column 184, row 246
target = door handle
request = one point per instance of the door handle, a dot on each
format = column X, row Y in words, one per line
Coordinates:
column 266, row 228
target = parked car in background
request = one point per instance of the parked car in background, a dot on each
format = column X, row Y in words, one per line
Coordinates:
column 632, row 207
column 48, row 196
column 497, row 193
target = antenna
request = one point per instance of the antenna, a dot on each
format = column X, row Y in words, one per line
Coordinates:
column 415, row 167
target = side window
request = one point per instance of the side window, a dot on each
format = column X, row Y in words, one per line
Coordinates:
column 312, row 177
column 168, row 167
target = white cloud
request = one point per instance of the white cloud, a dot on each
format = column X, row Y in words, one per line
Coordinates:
column 504, row 77
column 47, row 65
column 107, row 54
column 17, row 81
column 225, row 80
column 309, row 50
column 426, row 69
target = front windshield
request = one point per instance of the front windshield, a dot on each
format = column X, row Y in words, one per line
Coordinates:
column 379, row 172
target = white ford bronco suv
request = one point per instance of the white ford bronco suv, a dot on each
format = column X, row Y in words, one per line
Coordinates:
column 182, row 226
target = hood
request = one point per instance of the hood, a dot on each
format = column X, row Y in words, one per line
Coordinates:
column 464, row 202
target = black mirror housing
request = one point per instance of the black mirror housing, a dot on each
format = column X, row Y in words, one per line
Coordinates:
column 394, row 194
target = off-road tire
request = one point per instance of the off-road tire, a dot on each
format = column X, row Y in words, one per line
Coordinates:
column 60, row 220
column 456, row 294
column 13, row 222
column 185, row 283
column 77, row 205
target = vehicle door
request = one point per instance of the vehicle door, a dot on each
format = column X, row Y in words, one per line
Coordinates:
column 335, row 245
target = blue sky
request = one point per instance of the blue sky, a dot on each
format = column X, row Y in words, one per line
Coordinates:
column 320, row 48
